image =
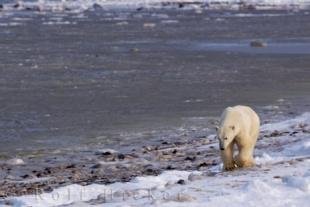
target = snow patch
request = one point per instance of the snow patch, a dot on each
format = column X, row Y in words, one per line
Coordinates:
column 287, row 124
column 83, row 5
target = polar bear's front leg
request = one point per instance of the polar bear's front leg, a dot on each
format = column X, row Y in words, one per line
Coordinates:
column 228, row 157
column 245, row 157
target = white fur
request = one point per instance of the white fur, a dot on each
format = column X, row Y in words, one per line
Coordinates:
column 239, row 126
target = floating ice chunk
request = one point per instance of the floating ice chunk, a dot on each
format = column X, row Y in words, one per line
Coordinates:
column 271, row 107
column 15, row 161
column 170, row 21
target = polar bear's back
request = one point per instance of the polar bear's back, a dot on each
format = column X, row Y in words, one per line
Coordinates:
column 250, row 118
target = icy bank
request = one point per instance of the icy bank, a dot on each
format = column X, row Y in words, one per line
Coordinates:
column 281, row 178
column 82, row 5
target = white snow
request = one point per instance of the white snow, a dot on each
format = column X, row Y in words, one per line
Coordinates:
column 281, row 178
column 287, row 124
column 82, row 5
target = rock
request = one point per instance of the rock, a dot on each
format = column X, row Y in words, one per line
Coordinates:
column 150, row 170
column 275, row 133
column 95, row 166
column 185, row 198
column 34, row 8
column 25, row 176
column 169, row 167
column 97, row 6
column 121, row 156
column 48, row 189
column 108, row 153
column 17, row 5
column 258, row 43
column 148, row 148
column 139, row 9
column 1, row 6
column 70, row 166
column 174, row 151
column 251, row 7
column 193, row 158
column 293, row 133
column 47, row 170
column 302, row 125
column 134, row 50
column 203, row 164
column 181, row 182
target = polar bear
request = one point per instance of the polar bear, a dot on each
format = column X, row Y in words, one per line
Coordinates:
column 238, row 125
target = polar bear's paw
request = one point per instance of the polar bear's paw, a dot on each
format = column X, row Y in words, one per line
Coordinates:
column 229, row 166
column 245, row 163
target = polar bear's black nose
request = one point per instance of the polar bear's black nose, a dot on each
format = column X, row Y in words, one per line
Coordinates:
column 222, row 148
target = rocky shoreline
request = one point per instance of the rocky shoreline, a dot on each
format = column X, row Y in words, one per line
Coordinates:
column 35, row 175
column 105, row 167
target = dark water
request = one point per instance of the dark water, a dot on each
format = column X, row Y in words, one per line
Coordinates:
column 69, row 81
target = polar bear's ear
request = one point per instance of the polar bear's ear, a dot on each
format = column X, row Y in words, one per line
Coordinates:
column 216, row 128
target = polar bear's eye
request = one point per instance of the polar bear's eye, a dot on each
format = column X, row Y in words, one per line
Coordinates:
column 225, row 138
column 232, row 127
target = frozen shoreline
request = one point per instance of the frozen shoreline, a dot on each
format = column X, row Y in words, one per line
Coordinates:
column 281, row 177
column 82, row 5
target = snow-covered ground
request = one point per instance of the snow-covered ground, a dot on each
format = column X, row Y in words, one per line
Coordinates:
column 82, row 5
column 280, row 178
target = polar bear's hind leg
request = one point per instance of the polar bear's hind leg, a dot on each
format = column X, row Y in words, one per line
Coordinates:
column 245, row 158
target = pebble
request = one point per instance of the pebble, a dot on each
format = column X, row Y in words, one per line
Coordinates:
column 185, row 198
column 293, row 133
column 203, row 164
column 17, row 5
column 121, row 156
column 181, row 182
column 135, row 50
column 193, row 158
column 95, row 166
column 258, row 43
column 70, row 166
column 148, row 148
column 169, row 167
column 97, row 6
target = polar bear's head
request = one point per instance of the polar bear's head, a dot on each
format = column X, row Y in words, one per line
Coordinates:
column 226, row 133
